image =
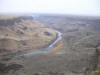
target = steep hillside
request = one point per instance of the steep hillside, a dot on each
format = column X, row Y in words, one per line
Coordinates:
column 23, row 33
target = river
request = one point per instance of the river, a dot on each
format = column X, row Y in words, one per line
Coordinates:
column 59, row 37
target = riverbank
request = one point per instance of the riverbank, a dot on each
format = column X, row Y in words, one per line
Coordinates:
column 58, row 38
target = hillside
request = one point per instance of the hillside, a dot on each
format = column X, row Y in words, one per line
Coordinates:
column 23, row 33
column 77, row 53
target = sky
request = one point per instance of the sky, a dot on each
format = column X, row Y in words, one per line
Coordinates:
column 78, row 7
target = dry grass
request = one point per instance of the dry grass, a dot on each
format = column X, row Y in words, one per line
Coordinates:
column 25, row 34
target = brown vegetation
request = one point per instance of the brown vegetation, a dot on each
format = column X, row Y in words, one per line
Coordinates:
column 23, row 33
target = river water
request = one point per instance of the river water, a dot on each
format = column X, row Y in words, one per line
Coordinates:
column 59, row 37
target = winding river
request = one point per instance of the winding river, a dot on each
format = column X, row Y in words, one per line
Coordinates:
column 59, row 37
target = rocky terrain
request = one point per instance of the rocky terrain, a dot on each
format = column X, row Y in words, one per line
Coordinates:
column 78, row 53
column 19, row 34
column 23, row 34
